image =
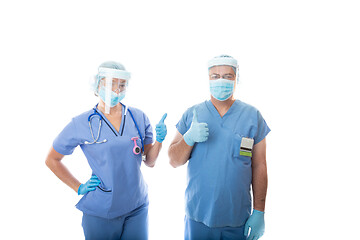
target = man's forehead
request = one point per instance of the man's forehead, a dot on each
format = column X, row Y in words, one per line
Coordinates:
column 222, row 69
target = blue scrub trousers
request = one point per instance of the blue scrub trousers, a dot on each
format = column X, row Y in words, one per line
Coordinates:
column 133, row 225
column 198, row 231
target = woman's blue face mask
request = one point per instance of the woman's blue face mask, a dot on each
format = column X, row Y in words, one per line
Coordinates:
column 115, row 98
column 222, row 89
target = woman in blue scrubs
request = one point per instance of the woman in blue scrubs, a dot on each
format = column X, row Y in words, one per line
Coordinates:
column 115, row 139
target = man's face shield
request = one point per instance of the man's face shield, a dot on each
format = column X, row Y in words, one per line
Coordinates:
column 222, row 82
column 224, row 72
column 224, row 66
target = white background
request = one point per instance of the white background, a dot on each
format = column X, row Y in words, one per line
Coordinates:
column 299, row 65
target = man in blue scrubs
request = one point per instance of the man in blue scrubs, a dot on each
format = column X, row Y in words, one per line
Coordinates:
column 223, row 141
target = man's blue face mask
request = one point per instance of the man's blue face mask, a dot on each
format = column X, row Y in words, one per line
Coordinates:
column 222, row 89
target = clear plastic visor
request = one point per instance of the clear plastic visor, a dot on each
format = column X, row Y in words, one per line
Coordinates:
column 114, row 84
column 110, row 89
column 222, row 72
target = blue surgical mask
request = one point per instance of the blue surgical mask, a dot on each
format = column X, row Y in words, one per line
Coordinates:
column 222, row 89
column 115, row 98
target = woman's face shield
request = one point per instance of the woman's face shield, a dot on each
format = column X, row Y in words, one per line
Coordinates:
column 111, row 87
column 115, row 84
column 112, row 91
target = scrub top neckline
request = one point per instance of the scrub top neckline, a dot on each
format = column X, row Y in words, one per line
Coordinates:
column 110, row 124
column 215, row 112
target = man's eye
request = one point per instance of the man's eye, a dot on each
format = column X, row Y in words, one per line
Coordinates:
column 228, row 76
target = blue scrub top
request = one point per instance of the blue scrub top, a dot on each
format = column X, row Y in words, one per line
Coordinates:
column 113, row 162
column 218, row 177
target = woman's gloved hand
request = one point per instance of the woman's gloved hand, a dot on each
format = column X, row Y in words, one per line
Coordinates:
column 161, row 130
column 90, row 185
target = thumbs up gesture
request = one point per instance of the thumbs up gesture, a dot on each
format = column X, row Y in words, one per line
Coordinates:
column 198, row 132
column 161, row 130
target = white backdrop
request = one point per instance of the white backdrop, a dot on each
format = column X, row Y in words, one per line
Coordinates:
column 299, row 65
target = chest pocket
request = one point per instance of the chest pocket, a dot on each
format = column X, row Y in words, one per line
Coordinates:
column 241, row 150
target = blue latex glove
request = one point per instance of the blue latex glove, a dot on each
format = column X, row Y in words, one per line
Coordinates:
column 257, row 224
column 198, row 132
column 161, row 130
column 90, row 185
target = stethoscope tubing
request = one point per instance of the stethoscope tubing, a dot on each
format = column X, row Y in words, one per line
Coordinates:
column 137, row 127
column 122, row 130
column 91, row 131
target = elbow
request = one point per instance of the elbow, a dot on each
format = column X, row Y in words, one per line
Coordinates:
column 51, row 162
column 174, row 159
column 150, row 160
column 53, row 159
column 173, row 162
column 259, row 167
column 150, row 165
column 48, row 162
column 174, row 165
column 171, row 159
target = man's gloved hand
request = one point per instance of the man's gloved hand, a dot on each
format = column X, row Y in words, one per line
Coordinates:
column 198, row 132
column 257, row 224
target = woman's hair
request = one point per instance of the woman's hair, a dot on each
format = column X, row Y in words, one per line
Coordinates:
column 112, row 65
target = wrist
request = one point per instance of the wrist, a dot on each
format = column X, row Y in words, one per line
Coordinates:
column 159, row 140
column 78, row 189
column 188, row 139
column 258, row 212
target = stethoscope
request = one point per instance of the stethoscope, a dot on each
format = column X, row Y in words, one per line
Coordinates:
column 91, row 131
column 136, row 149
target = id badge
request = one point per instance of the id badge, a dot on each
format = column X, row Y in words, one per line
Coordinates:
column 246, row 147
